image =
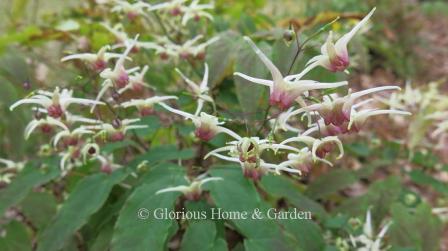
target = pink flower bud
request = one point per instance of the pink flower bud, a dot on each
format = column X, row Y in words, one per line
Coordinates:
column 204, row 133
column 55, row 111
column 106, row 168
column 193, row 195
column 122, row 79
column 99, row 65
column 117, row 136
column 146, row 111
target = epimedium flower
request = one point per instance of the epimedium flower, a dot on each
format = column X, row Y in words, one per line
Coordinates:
column 190, row 48
column 285, row 90
column 302, row 161
column 335, row 56
column 97, row 62
column 173, row 7
column 55, row 102
column 281, row 122
column 207, row 126
column 70, row 158
column 319, row 147
column 70, row 137
column 145, row 107
column 368, row 241
column 46, row 125
column 12, row 165
column 89, row 151
column 337, row 110
column 199, row 91
column 116, row 130
column 136, row 82
column 358, row 118
column 131, row 10
column 193, row 191
column 5, row 178
column 195, row 11
column 247, row 152
column 118, row 77
column 107, row 163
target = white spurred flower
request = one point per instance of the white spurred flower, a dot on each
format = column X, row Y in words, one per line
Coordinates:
column 70, row 138
column 56, row 102
column 97, row 62
column 337, row 110
column 173, row 7
column 107, row 163
column 199, row 91
column 367, row 241
column 89, row 151
column 358, row 119
column 247, row 152
column 207, row 126
column 45, row 124
column 131, row 10
column 335, row 56
column 5, row 178
column 319, row 147
column 195, row 11
column 12, row 165
column 146, row 106
column 281, row 122
column 136, row 82
column 193, row 191
column 118, row 77
column 285, row 90
column 303, row 161
column 116, row 130
column 70, row 158
column 410, row 98
column 190, row 49
column 72, row 118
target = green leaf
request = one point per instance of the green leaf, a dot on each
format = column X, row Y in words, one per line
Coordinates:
column 133, row 233
column 221, row 55
column 381, row 195
column 87, row 197
column 283, row 55
column 250, row 94
column 421, row 178
column 421, row 230
column 164, row 153
column 359, row 149
column 202, row 235
column 17, row 237
column 39, row 208
column 330, row 183
column 281, row 186
column 26, row 180
column 308, row 234
column 237, row 194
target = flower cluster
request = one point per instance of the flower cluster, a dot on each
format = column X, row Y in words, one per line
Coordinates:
column 122, row 86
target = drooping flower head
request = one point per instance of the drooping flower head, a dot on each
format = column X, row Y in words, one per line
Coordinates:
column 335, row 56
column 207, row 126
column 146, row 106
column 97, row 62
column 337, row 110
column 193, row 191
column 55, row 102
column 285, row 90
column 199, row 91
